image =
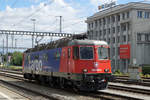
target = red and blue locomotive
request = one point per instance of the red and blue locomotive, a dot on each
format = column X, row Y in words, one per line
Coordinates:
column 79, row 63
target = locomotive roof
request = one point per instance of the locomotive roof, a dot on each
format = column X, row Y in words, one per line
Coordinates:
column 87, row 42
column 77, row 40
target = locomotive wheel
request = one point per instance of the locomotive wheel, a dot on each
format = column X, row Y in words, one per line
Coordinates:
column 50, row 81
column 62, row 83
column 25, row 76
column 42, row 79
column 104, row 86
column 75, row 89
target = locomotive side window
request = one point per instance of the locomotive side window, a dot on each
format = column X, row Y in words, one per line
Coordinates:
column 86, row 53
column 75, row 53
column 103, row 53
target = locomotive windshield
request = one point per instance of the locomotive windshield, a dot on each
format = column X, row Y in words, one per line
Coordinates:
column 86, row 53
column 102, row 53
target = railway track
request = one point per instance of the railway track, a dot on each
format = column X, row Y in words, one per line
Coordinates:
column 130, row 89
column 120, row 79
column 23, row 88
column 99, row 94
column 125, row 79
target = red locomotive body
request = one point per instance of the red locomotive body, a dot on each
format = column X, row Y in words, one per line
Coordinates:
column 82, row 64
column 88, row 61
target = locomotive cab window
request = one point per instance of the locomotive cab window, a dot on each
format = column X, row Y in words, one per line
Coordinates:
column 75, row 53
column 103, row 53
column 86, row 53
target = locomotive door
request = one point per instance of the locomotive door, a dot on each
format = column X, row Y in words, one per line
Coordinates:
column 69, row 60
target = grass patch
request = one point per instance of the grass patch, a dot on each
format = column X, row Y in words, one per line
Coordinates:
column 12, row 67
column 119, row 73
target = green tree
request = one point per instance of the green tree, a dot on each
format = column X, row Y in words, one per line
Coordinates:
column 16, row 58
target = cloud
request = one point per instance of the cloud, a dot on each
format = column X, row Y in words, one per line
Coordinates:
column 98, row 2
column 46, row 18
column 44, row 15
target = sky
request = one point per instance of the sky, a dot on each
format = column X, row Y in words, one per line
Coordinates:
column 17, row 15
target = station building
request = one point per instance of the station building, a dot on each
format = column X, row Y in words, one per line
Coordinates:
column 126, row 28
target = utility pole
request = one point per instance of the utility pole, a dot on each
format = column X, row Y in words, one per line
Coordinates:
column 12, row 37
column 3, row 46
column 60, row 23
column 7, row 49
column 33, row 31
column 3, row 53
column 15, row 43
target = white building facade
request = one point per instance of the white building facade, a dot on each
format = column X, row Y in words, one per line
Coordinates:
column 127, row 24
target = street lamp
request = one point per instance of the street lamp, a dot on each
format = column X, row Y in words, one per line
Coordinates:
column 33, row 20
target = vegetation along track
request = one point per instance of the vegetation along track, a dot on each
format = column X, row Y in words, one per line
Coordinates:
column 99, row 94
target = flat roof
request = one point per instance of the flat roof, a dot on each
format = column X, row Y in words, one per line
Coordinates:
column 118, row 9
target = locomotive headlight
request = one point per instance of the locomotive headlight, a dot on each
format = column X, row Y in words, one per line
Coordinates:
column 96, row 64
column 85, row 70
column 106, row 70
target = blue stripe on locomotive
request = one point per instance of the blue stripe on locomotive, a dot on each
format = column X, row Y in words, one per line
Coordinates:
column 45, row 60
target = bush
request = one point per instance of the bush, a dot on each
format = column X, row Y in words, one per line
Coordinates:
column 117, row 72
column 16, row 59
column 146, row 70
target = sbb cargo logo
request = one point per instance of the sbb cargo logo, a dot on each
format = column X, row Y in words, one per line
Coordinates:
column 125, row 51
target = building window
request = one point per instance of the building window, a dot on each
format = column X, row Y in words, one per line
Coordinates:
column 100, row 22
column 139, row 14
column 91, row 25
column 146, row 15
column 123, row 15
column 118, row 39
column 113, row 30
column 96, row 33
column 118, row 28
column 128, row 14
column 139, row 37
column 104, row 32
column 104, row 21
column 124, row 38
column 100, row 33
column 109, row 31
column 108, row 20
column 124, row 27
column 113, row 51
column 113, row 19
column 108, row 40
column 118, row 18
column 128, row 37
column 96, row 24
column 113, row 40
column 128, row 26
column 146, row 37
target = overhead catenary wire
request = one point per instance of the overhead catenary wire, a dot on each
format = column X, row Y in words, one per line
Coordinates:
column 25, row 18
column 14, row 3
